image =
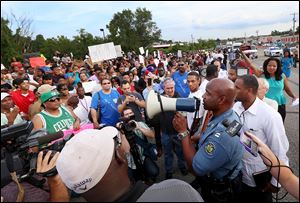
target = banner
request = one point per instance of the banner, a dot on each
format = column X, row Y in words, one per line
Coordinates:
column 37, row 61
column 102, row 52
column 142, row 50
column 118, row 50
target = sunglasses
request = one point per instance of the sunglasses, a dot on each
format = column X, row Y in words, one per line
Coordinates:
column 53, row 99
column 180, row 64
column 108, row 83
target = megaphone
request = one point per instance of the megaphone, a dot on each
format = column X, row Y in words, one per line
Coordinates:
column 155, row 103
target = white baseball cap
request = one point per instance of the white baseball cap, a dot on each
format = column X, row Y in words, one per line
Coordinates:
column 3, row 95
column 85, row 158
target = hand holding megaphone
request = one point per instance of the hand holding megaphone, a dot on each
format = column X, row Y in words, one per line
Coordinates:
column 179, row 123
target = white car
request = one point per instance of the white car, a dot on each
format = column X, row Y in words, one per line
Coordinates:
column 273, row 51
column 251, row 51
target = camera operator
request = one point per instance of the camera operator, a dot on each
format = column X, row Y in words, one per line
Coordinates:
column 141, row 132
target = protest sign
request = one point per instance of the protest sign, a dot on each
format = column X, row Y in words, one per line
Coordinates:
column 118, row 50
column 37, row 61
column 142, row 50
column 158, row 54
column 154, row 54
column 141, row 59
column 102, row 52
column 89, row 86
column 179, row 54
column 147, row 53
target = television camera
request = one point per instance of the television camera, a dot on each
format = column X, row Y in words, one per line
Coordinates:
column 20, row 147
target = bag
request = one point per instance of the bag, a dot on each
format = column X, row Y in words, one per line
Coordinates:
column 150, row 150
column 98, row 111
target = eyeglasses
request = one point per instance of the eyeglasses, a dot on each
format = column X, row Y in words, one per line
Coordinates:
column 54, row 99
column 108, row 83
column 180, row 64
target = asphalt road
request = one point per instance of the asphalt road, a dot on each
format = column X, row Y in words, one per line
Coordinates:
column 291, row 127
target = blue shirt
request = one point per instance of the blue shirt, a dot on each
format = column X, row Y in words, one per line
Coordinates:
column 109, row 114
column 181, row 86
column 219, row 153
column 287, row 64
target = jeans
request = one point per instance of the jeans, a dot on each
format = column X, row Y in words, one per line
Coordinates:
column 168, row 141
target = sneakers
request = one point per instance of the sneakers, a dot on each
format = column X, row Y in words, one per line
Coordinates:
column 169, row 175
column 184, row 171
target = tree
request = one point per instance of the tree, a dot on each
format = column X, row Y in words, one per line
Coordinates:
column 133, row 30
column 7, row 43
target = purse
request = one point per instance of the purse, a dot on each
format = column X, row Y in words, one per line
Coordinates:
column 98, row 111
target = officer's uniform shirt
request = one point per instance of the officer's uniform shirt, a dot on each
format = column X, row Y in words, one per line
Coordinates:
column 265, row 123
column 218, row 152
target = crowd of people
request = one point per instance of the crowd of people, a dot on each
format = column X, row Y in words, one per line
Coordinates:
column 113, row 154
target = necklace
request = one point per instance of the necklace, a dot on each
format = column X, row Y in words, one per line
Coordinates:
column 86, row 106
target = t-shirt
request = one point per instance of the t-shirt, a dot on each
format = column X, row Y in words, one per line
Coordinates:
column 4, row 119
column 136, row 109
column 181, row 86
column 23, row 101
column 109, row 114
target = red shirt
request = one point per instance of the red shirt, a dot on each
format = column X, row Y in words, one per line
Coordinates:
column 23, row 102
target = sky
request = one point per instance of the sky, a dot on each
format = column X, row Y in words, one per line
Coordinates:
column 178, row 20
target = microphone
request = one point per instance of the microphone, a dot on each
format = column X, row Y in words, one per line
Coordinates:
column 232, row 128
column 50, row 137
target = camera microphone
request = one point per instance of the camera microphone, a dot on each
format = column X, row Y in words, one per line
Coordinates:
column 50, row 137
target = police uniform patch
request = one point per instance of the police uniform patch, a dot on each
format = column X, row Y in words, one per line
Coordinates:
column 210, row 148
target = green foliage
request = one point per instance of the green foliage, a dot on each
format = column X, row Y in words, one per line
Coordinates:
column 133, row 30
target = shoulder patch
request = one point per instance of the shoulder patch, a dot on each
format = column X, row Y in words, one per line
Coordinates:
column 210, row 148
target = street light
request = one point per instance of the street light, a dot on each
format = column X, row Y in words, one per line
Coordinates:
column 102, row 30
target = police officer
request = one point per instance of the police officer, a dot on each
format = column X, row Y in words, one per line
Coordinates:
column 217, row 162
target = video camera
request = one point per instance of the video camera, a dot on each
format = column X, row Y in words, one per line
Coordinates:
column 20, row 145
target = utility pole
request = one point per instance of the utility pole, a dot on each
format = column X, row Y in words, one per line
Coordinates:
column 294, row 21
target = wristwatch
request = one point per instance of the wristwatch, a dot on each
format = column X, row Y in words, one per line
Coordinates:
column 183, row 135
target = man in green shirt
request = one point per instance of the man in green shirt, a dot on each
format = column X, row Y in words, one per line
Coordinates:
column 55, row 117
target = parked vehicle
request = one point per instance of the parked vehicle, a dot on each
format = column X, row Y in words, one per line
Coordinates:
column 273, row 51
column 250, row 51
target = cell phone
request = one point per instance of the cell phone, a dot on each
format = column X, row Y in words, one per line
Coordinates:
column 149, row 81
column 249, row 145
column 262, row 178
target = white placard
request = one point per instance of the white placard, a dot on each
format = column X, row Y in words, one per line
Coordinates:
column 119, row 50
column 89, row 86
column 154, row 54
column 102, row 52
column 158, row 54
column 147, row 53
column 141, row 58
column 179, row 54
column 142, row 50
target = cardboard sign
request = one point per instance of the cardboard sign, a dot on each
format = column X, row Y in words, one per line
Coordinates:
column 142, row 50
column 102, row 52
column 141, row 59
column 37, row 61
column 89, row 86
column 179, row 54
column 158, row 54
column 119, row 51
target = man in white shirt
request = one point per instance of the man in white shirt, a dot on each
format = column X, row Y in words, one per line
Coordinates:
column 221, row 73
column 84, row 105
column 194, row 81
column 263, row 121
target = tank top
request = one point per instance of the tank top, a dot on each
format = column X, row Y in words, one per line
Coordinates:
column 56, row 123
column 276, row 90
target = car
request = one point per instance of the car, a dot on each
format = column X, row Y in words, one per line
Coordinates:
column 250, row 51
column 273, row 51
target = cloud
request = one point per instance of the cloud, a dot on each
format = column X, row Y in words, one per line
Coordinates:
column 178, row 20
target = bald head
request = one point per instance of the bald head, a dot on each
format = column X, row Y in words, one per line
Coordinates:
column 223, row 87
